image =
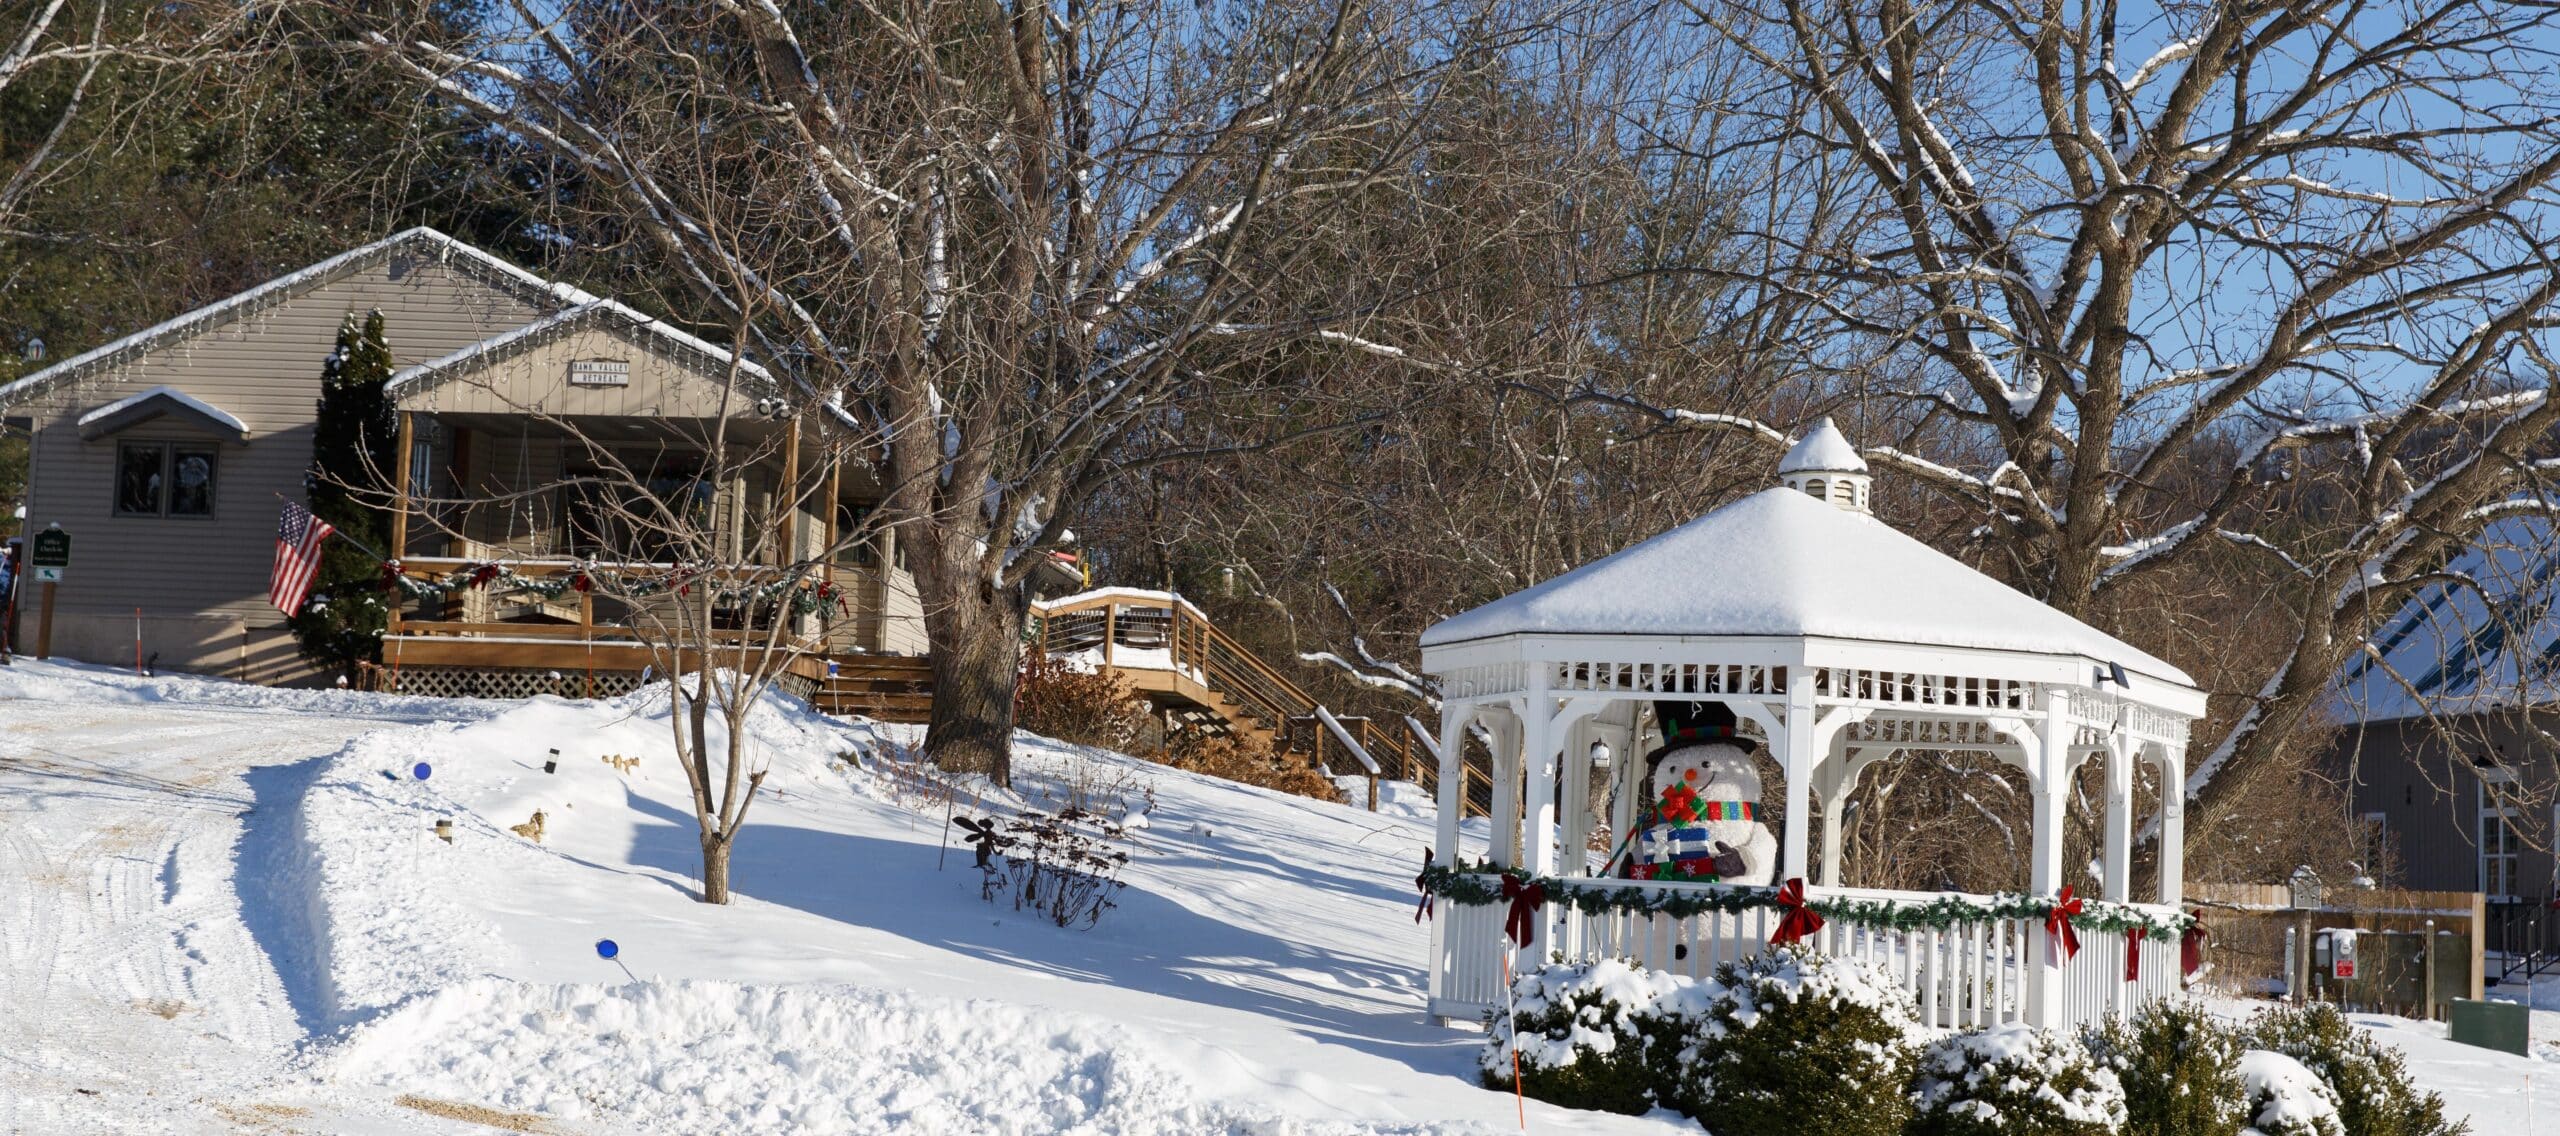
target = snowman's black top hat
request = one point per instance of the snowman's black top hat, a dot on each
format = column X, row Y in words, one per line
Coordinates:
column 1697, row 723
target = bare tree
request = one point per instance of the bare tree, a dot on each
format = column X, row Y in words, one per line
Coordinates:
column 50, row 41
column 2260, row 277
column 1005, row 234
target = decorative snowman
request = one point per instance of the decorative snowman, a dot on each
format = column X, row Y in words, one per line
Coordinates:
column 1701, row 816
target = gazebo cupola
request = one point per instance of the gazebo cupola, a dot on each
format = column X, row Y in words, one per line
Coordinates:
column 1826, row 467
column 1794, row 622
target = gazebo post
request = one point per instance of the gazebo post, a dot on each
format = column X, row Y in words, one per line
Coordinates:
column 2119, row 854
column 2049, row 763
column 1538, row 761
column 1505, row 834
column 1799, row 756
column 1838, row 774
column 1453, row 779
column 2173, row 827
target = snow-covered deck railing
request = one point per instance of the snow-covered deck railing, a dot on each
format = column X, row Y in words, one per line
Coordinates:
column 1967, row 959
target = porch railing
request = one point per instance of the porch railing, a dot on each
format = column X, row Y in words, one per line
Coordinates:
column 1969, row 975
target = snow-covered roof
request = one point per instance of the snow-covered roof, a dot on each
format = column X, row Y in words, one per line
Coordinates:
column 1824, row 450
column 2485, row 638
column 152, row 403
column 701, row 353
column 1780, row 564
column 221, row 312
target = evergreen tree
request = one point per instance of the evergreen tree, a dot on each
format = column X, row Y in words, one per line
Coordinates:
column 351, row 459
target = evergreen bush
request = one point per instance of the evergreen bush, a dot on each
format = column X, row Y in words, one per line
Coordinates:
column 2179, row 1068
column 2375, row 1096
column 1589, row 1035
column 1792, row 1040
column 2015, row 1080
column 354, row 444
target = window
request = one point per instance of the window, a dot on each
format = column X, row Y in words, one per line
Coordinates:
column 164, row 480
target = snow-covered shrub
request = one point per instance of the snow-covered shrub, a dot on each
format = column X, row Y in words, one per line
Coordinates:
column 2375, row 1097
column 2286, row 1099
column 2016, row 1080
column 2179, row 1068
column 1589, row 1035
column 1792, row 1040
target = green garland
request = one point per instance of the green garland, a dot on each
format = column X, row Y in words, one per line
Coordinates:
column 1480, row 886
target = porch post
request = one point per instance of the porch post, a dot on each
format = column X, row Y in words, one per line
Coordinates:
column 790, row 493
column 2049, row 765
column 399, row 516
column 1797, row 755
column 2119, row 854
column 2173, row 827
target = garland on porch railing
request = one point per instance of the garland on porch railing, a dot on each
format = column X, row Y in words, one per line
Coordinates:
column 1480, row 885
column 807, row 595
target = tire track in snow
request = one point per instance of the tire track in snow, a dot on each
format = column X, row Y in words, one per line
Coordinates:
column 137, row 995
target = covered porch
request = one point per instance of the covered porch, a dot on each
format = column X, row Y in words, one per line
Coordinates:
column 527, row 460
column 1835, row 643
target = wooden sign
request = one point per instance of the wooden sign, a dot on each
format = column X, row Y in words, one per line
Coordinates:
column 599, row 373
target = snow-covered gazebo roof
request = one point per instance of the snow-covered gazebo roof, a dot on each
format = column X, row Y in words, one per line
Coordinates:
column 1779, row 564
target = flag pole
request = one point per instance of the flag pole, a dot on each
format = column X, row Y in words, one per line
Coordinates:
column 342, row 534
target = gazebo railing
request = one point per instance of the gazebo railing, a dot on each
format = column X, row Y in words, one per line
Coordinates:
column 1965, row 976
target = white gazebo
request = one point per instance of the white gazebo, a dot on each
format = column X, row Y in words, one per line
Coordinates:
column 1844, row 642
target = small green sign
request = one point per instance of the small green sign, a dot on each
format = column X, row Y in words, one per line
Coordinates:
column 2490, row 1025
column 51, row 549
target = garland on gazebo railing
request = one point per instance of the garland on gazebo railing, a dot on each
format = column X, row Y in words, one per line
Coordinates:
column 807, row 594
column 1480, row 885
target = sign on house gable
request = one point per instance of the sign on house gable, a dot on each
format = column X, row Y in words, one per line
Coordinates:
column 599, row 373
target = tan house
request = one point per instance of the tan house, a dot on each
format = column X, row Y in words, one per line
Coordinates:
column 166, row 456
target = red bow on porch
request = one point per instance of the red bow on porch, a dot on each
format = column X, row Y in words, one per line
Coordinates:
column 1521, row 925
column 1800, row 920
column 2062, row 941
column 2133, row 955
column 2191, row 944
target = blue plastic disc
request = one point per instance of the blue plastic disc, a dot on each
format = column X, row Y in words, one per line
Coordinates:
column 605, row 948
column 423, row 770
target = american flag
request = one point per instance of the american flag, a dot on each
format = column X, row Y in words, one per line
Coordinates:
column 298, row 539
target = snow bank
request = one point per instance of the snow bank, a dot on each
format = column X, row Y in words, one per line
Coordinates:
column 62, row 681
column 722, row 1057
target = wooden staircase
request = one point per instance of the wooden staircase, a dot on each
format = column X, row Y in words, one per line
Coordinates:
column 1187, row 669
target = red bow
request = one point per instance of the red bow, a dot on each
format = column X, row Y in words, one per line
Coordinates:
column 1800, row 920
column 483, row 574
column 391, row 575
column 1521, row 925
column 1680, row 802
column 2057, row 927
column 2133, row 955
column 580, row 582
column 2191, row 944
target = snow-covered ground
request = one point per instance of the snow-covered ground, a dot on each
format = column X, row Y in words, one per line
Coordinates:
column 227, row 909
